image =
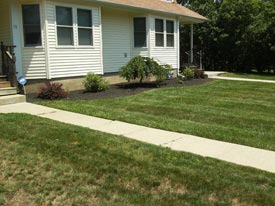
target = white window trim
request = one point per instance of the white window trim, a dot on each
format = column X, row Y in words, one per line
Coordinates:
column 133, row 32
column 83, row 27
column 75, row 27
column 170, row 33
column 22, row 26
column 165, row 32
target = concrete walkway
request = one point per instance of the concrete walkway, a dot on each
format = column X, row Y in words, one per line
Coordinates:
column 238, row 154
column 216, row 75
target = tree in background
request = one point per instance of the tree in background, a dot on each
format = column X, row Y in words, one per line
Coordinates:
column 239, row 36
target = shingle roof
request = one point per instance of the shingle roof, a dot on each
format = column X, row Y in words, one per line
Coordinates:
column 159, row 6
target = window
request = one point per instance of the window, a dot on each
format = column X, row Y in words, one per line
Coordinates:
column 85, row 27
column 159, row 29
column 140, row 34
column 64, row 22
column 31, row 25
column 170, row 33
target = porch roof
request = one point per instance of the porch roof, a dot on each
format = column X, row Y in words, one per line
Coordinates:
column 160, row 6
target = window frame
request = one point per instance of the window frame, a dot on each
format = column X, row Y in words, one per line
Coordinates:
column 162, row 33
column 75, row 27
column 86, row 28
column 170, row 34
column 64, row 26
column 22, row 26
column 146, row 32
column 166, row 34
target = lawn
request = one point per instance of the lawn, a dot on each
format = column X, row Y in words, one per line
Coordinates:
column 237, row 112
column 254, row 75
column 43, row 162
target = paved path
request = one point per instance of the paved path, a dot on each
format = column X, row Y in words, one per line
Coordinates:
column 238, row 154
column 216, row 75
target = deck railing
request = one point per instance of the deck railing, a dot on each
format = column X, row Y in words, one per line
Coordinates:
column 9, row 63
column 194, row 60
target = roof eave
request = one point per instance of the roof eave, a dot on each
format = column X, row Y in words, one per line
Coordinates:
column 191, row 19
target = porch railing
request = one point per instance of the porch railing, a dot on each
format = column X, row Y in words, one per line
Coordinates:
column 9, row 63
column 194, row 60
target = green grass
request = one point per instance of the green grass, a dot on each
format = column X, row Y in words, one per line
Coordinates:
column 238, row 112
column 254, row 75
column 43, row 162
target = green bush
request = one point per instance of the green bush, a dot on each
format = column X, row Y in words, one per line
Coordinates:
column 143, row 67
column 180, row 79
column 188, row 73
column 199, row 74
column 95, row 83
column 52, row 90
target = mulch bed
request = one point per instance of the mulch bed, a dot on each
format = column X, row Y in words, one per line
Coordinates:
column 124, row 89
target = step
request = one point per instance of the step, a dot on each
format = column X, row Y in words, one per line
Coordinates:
column 12, row 99
column 4, row 84
column 3, row 78
column 8, row 91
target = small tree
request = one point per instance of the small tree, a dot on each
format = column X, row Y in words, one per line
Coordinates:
column 142, row 67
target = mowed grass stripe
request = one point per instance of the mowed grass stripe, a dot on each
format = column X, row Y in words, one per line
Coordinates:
column 237, row 112
column 254, row 75
column 47, row 162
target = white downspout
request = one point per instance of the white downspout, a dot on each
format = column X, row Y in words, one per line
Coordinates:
column 101, row 40
column 178, row 40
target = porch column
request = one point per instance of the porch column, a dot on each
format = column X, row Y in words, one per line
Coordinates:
column 192, row 44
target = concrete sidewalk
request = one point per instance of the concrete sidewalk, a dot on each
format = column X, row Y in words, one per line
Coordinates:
column 238, row 154
column 216, row 75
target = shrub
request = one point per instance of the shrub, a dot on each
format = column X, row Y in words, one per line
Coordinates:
column 52, row 90
column 199, row 74
column 95, row 83
column 188, row 73
column 142, row 67
column 180, row 79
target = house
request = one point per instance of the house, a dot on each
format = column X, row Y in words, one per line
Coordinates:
column 68, row 38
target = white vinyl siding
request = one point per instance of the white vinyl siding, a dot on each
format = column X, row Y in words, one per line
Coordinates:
column 110, row 50
column 71, row 61
column 34, row 63
column 164, row 55
column 5, row 22
column 117, row 32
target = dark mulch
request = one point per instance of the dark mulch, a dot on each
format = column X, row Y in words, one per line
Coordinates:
column 124, row 89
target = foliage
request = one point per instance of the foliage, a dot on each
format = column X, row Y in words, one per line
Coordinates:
column 180, row 79
column 239, row 35
column 52, row 91
column 143, row 67
column 199, row 74
column 95, row 83
column 188, row 73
